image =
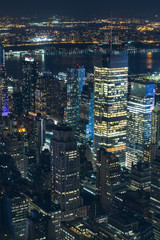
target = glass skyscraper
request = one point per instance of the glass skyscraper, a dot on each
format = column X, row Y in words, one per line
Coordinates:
column 155, row 194
column 86, row 108
column 81, row 79
column 110, row 103
column 140, row 106
column 71, row 111
column 30, row 75
column 2, row 56
column 75, row 83
column 155, row 125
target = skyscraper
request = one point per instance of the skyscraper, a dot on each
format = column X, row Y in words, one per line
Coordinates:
column 75, row 83
column 65, row 169
column 108, row 178
column 40, row 97
column 86, row 108
column 71, row 112
column 110, row 103
column 155, row 194
column 19, row 206
column 37, row 226
column 140, row 177
column 30, row 75
column 59, row 98
column 5, row 216
column 15, row 148
column 4, row 91
column 4, row 108
column 17, row 107
column 155, row 124
column 81, row 78
column 36, row 128
column 2, row 56
column 51, row 99
column 140, row 106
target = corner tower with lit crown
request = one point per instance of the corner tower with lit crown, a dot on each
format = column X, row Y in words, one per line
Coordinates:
column 110, row 103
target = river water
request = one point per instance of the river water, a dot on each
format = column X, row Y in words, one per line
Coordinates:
column 137, row 62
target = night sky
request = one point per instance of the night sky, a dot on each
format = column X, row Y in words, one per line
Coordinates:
column 81, row 8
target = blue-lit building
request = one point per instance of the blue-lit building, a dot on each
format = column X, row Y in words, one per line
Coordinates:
column 3, row 85
column 89, row 126
column 75, row 83
column 86, row 113
column 2, row 56
column 4, row 91
column 140, row 106
column 81, row 79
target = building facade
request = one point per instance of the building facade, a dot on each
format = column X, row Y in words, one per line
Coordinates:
column 86, row 113
column 140, row 106
column 155, row 195
column 155, row 124
column 65, row 167
column 75, row 83
column 30, row 76
column 140, row 177
column 108, row 178
column 110, row 104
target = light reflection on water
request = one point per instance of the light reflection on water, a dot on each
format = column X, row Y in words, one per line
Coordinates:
column 138, row 63
column 149, row 60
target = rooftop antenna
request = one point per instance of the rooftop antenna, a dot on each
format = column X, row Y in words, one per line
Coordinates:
column 111, row 40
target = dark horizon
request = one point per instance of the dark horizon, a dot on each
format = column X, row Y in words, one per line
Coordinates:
column 81, row 9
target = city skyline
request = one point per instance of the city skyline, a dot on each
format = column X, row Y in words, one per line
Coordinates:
column 79, row 120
